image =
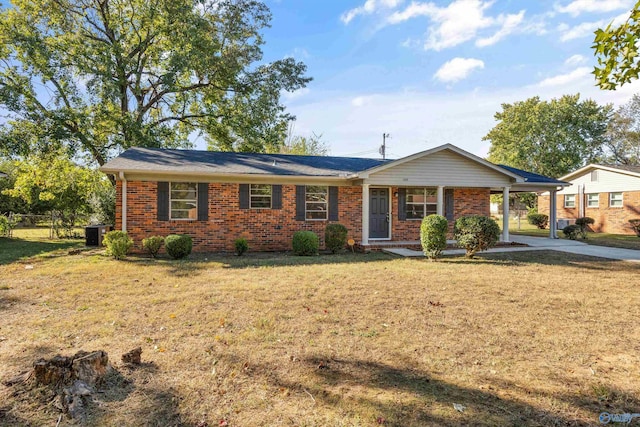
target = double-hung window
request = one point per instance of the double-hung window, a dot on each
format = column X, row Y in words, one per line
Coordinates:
column 593, row 200
column 260, row 196
column 184, row 200
column 316, row 202
column 421, row 202
column 615, row 200
column 570, row 201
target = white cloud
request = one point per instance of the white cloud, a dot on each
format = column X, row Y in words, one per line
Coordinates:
column 360, row 101
column 585, row 29
column 457, row 69
column 576, row 7
column 575, row 60
column 296, row 94
column 509, row 25
column 460, row 21
column 564, row 79
column 369, row 7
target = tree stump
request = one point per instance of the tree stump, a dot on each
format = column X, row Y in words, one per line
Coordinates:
column 133, row 356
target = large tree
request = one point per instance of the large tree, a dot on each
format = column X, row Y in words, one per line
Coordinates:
column 616, row 49
column 99, row 76
column 549, row 137
column 622, row 144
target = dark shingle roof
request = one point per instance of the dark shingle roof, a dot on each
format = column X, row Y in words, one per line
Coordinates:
column 532, row 178
column 215, row 162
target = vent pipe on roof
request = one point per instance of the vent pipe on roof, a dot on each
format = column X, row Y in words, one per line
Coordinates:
column 275, row 162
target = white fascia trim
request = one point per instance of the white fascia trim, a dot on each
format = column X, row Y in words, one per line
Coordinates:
column 589, row 167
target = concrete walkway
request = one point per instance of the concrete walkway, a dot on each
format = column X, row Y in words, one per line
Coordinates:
column 542, row 244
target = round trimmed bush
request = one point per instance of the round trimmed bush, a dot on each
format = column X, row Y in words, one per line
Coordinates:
column 476, row 233
column 539, row 220
column 572, row 231
column 335, row 237
column 178, row 246
column 433, row 235
column 241, row 246
column 584, row 223
column 152, row 245
column 305, row 243
column 118, row 243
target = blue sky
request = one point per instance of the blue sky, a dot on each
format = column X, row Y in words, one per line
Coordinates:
column 433, row 72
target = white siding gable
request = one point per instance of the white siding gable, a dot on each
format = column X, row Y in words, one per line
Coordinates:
column 608, row 182
column 443, row 167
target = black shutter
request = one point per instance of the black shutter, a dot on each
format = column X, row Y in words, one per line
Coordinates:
column 163, row 201
column 402, row 204
column 203, row 201
column 300, row 199
column 276, row 197
column 333, row 203
column 448, row 204
column 244, row 196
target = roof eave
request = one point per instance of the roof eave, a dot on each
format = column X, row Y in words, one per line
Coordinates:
column 227, row 176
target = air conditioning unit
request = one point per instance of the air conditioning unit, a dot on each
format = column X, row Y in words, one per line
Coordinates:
column 562, row 223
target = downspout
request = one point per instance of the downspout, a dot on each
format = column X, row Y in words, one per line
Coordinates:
column 581, row 205
column 124, row 201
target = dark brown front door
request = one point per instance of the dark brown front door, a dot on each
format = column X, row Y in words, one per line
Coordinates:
column 379, row 213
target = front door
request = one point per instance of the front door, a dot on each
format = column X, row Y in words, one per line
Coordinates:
column 379, row 213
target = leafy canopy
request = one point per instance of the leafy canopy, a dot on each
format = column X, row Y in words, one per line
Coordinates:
column 622, row 145
column 99, row 76
column 551, row 138
column 616, row 50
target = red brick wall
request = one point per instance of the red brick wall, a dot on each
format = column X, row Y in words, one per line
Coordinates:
column 265, row 229
column 608, row 219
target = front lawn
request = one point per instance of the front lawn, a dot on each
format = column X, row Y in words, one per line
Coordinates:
column 625, row 241
column 530, row 339
column 29, row 242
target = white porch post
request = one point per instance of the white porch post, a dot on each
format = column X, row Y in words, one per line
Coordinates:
column 365, row 214
column 505, row 214
column 124, row 202
column 440, row 200
column 552, row 214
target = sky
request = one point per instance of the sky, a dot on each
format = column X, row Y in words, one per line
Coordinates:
column 433, row 72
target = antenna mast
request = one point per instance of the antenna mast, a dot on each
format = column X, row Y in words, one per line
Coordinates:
column 383, row 148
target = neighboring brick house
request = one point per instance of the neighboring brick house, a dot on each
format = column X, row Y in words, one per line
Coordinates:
column 217, row 197
column 610, row 194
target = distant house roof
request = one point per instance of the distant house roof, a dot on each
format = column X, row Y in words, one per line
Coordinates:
column 231, row 163
column 624, row 169
column 532, row 178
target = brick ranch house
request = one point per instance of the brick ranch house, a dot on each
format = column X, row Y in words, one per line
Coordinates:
column 610, row 194
column 217, row 197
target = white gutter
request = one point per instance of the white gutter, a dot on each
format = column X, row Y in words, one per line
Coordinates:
column 124, row 201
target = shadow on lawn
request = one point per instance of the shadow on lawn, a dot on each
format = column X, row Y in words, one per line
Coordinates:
column 12, row 250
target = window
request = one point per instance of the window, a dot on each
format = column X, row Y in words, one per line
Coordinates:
column 594, row 176
column 260, row 196
column 570, row 201
column 615, row 200
column 316, row 202
column 421, row 202
column 593, row 200
column 184, row 200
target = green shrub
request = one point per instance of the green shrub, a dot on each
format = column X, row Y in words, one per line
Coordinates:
column 152, row 245
column 178, row 246
column 335, row 237
column 118, row 243
column 572, row 231
column 305, row 243
column 584, row 224
column 476, row 233
column 539, row 220
column 433, row 235
column 635, row 224
column 241, row 245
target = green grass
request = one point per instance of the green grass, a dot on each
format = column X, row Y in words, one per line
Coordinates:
column 27, row 243
column 624, row 241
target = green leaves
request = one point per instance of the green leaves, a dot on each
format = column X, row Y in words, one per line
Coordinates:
column 99, row 76
column 616, row 51
column 549, row 137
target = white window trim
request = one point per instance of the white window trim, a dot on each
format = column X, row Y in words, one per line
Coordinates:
column 182, row 200
column 424, row 204
column 573, row 201
column 261, row 195
column 597, row 200
column 621, row 199
column 326, row 202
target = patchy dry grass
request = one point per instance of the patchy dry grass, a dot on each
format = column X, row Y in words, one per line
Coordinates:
column 624, row 241
column 531, row 339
